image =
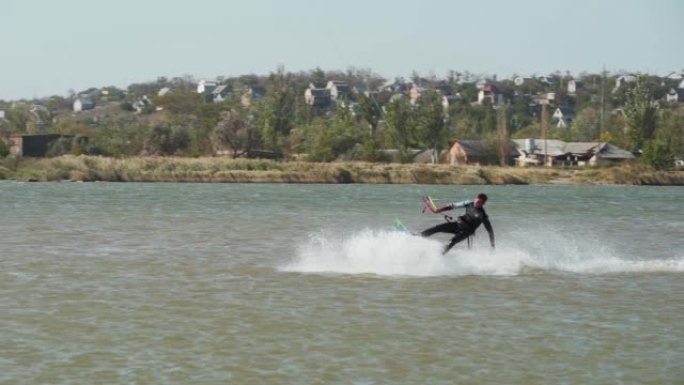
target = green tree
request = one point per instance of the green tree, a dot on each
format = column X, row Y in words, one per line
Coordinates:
column 168, row 139
column 277, row 110
column 371, row 112
column 465, row 124
column 641, row 113
column 179, row 101
column 586, row 126
column 116, row 136
column 338, row 140
column 431, row 122
column 490, row 120
column 503, row 139
column 671, row 130
column 658, row 155
column 4, row 148
column 201, row 125
column 19, row 118
column 400, row 127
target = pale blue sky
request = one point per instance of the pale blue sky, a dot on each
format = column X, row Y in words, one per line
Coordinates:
column 49, row 47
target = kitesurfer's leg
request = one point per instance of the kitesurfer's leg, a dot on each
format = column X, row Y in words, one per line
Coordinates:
column 456, row 239
column 446, row 227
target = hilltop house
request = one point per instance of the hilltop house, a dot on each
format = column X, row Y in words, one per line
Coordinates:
column 337, row 90
column 83, row 103
column 252, row 92
column 490, row 92
column 317, row 96
column 676, row 95
column 220, row 93
column 623, row 80
column 563, row 116
column 573, row 85
column 414, row 92
column 206, row 86
column 163, row 91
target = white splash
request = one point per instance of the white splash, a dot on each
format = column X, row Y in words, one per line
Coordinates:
column 392, row 253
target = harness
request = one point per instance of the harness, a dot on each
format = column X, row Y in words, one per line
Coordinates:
column 469, row 239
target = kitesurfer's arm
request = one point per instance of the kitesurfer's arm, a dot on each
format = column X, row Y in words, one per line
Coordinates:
column 454, row 205
column 490, row 230
column 430, row 205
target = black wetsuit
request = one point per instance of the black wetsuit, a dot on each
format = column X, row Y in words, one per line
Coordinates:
column 464, row 226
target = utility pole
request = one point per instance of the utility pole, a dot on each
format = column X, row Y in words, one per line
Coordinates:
column 544, row 128
column 504, row 134
column 602, row 114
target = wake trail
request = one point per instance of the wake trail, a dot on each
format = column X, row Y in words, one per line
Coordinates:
column 393, row 253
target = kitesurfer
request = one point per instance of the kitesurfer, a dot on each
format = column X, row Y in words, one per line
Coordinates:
column 465, row 225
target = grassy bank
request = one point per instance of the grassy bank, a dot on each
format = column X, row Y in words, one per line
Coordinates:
column 225, row 170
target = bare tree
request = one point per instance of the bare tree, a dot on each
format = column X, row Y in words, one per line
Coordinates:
column 235, row 132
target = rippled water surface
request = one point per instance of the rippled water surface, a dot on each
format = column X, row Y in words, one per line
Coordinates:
column 106, row 283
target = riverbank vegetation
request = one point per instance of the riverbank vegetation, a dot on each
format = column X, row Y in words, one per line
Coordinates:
column 355, row 115
column 227, row 170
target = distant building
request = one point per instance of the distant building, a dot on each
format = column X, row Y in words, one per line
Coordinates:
column 463, row 152
column 563, row 116
column 206, row 86
column 531, row 151
column 33, row 145
column 491, row 93
column 676, row 95
column 251, row 93
column 573, row 85
column 83, row 103
column 623, row 80
column 414, row 92
column 221, row 92
column 317, row 97
column 337, row 90
column 554, row 152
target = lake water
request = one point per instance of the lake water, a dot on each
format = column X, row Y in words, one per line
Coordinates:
column 113, row 283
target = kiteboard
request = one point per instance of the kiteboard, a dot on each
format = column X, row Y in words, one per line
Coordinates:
column 398, row 226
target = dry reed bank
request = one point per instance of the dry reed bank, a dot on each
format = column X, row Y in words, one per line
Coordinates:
column 225, row 170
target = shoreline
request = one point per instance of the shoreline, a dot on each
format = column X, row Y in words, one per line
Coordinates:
column 227, row 170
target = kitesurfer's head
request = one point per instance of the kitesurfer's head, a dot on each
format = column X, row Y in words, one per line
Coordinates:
column 480, row 200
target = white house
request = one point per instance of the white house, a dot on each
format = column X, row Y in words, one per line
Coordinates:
column 221, row 93
column 623, row 80
column 491, row 93
column 573, row 85
column 318, row 97
column 415, row 91
column 675, row 95
column 252, row 92
column 563, row 117
column 83, row 103
column 206, row 86
column 337, row 89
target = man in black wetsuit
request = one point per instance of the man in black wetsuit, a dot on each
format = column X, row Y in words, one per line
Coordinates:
column 465, row 225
